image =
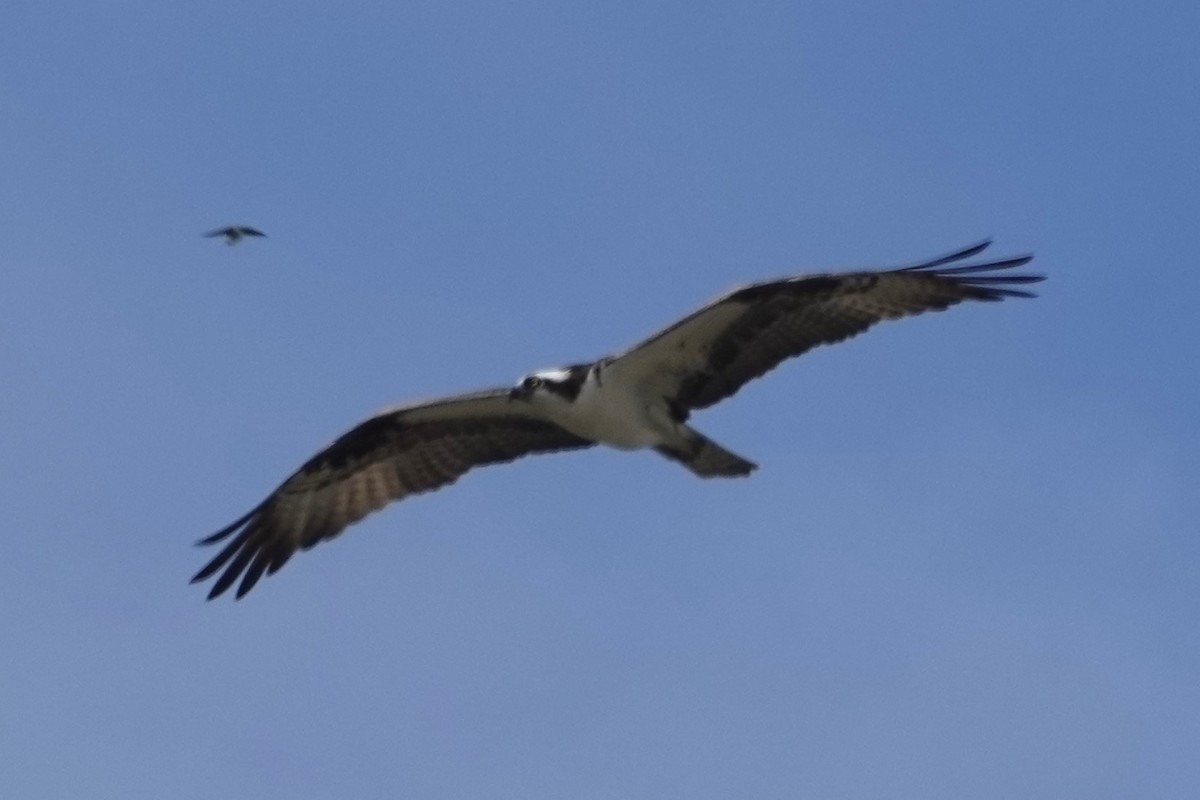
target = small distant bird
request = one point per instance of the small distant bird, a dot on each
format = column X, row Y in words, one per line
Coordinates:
column 639, row 399
column 234, row 233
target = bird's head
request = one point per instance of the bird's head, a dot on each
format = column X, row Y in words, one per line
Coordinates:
column 561, row 384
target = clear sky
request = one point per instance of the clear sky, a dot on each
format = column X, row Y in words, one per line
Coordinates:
column 968, row 566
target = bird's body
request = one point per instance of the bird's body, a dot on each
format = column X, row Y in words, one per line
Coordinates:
column 639, row 399
column 613, row 412
column 615, row 402
column 234, row 233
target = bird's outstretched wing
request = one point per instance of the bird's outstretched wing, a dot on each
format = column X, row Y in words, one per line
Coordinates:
column 234, row 231
column 710, row 354
column 388, row 457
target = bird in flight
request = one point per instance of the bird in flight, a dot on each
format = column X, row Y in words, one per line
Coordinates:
column 640, row 398
column 234, row 233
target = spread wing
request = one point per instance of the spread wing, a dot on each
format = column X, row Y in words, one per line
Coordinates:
column 246, row 230
column 390, row 456
column 218, row 232
column 709, row 355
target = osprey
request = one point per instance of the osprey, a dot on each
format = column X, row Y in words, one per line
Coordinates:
column 234, row 233
column 638, row 399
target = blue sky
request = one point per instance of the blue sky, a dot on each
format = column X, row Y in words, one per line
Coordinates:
column 968, row 564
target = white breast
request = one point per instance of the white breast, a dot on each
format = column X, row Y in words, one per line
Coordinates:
column 616, row 414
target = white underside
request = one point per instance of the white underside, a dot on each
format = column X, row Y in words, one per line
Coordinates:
column 613, row 413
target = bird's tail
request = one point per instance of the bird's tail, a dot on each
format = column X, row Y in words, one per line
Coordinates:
column 706, row 458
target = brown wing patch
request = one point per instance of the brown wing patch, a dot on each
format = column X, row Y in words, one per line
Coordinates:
column 787, row 318
column 383, row 460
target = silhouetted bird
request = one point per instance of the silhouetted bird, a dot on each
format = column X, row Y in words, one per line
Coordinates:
column 235, row 233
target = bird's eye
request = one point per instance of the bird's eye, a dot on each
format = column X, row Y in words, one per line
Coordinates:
column 533, row 382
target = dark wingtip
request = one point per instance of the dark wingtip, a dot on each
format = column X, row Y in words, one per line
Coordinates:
column 235, row 554
column 230, row 528
column 231, row 573
column 957, row 255
column 990, row 266
column 981, row 279
column 216, row 537
column 255, row 571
